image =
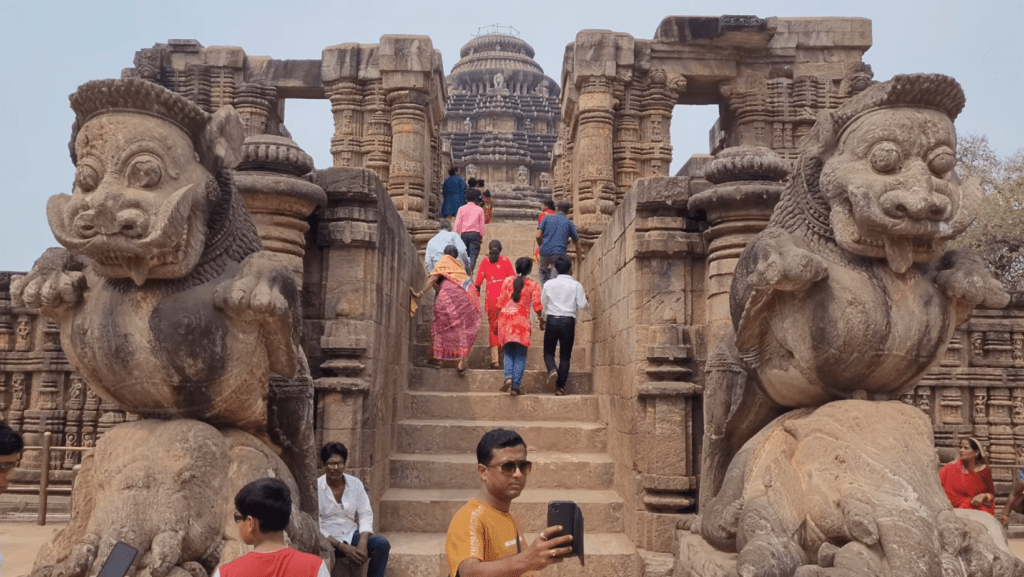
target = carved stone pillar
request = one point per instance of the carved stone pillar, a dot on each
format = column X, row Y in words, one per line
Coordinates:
column 656, row 129
column 1000, row 441
column 410, row 153
column 738, row 207
column 378, row 133
column 594, row 198
column 278, row 200
column 255, row 104
column 346, row 105
column 626, row 152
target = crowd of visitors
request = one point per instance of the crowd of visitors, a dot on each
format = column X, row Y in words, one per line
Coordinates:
column 511, row 295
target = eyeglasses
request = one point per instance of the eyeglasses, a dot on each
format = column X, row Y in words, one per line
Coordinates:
column 334, row 465
column 509, row 467
column 240, row 517
column 7, row 467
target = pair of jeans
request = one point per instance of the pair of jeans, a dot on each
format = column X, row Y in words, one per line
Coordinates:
column 472, row 242
column 547, row 271
column 559, row 332
column 377, row 549
column 515, row 363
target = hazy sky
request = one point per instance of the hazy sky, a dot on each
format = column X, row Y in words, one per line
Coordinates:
column 48, row 49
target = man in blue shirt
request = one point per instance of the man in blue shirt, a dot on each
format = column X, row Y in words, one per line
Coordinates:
column 553, row 236
column 454, row 192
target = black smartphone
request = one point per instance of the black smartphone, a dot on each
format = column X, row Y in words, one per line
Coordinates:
column 568, row 515
column 119, row 560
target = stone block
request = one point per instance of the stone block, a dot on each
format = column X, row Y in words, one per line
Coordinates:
column 224, row 56
column 399, row 52
column 349, row 61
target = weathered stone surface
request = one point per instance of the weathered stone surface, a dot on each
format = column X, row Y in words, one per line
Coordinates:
column 157, row 254
column 857, row 476
column 166, row 488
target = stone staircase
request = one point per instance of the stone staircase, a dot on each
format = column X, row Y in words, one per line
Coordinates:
column 442, row 417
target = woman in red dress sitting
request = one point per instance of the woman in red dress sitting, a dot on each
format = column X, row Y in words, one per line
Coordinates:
column 968, row 480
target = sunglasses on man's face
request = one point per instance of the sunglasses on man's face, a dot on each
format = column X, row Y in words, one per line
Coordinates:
column 509, row 467
column 239, row 517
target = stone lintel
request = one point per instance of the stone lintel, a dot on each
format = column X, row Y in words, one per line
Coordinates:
column 292, row 78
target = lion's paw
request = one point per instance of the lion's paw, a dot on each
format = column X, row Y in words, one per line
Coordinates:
column 55, row 282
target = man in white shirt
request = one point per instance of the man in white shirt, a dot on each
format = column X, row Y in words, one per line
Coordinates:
column 346, row 518
column 443, row 238
column 11, row 445
column 561, row 297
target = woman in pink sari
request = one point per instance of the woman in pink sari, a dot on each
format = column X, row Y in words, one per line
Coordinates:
column 456, row 311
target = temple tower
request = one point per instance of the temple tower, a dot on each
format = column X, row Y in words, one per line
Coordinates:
column 501, row 122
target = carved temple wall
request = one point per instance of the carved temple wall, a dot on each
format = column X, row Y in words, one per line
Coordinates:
column 387, row 102
column 770, row 78
column 357, row 261
column 657, row 281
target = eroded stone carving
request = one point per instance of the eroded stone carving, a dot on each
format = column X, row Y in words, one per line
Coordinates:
column 168, row 306
column 848, row 293
column 158, row 250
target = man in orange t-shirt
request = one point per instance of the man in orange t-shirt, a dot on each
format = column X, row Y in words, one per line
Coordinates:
column 483, row 537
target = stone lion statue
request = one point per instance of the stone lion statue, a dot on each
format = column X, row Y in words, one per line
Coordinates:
column 849, row 293
column 168, row 306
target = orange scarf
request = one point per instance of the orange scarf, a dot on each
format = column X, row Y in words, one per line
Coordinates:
column 451, row 269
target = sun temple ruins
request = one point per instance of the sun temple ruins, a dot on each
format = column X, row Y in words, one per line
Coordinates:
column 779, row 342
column 502, row 121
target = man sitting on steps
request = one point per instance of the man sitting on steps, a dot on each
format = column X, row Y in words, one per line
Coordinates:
column 483, row 538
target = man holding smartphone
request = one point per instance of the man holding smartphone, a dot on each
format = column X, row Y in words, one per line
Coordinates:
column 483, row 538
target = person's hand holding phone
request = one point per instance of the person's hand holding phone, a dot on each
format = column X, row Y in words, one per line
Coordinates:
column 547, row 550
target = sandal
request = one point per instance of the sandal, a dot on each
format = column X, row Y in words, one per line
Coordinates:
column 462, row 367
column 506, row 385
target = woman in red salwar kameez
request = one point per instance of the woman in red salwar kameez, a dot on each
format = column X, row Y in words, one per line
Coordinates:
column 456, row 311
column 518, row 295
column 494, row 270
column 968, row 480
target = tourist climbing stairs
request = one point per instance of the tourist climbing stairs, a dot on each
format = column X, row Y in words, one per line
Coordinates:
column 442, row 416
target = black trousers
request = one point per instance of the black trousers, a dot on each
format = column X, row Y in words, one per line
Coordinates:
column 472, row 241
column 559, row 332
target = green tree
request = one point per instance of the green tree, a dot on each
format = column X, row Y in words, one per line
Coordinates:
column 998, row 234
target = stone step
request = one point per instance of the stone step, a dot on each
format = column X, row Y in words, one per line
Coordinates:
column 495, row 405
column 460, row 435
column 489, row 380
column 459, row 470
column 423, row 555
column 480, row 356
column 431, row 510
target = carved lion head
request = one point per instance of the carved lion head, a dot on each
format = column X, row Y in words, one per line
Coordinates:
column 884, row 164
column 144, row 185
